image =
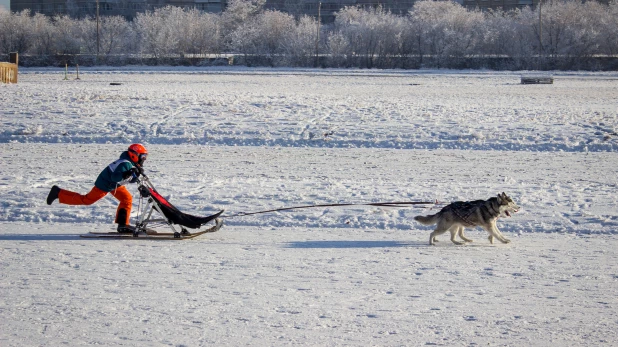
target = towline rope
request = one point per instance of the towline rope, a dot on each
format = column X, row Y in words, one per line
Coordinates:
column 381, row 204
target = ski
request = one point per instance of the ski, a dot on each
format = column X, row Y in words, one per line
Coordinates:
column 150, row 234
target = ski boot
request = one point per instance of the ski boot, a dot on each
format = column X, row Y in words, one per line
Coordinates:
column 53, row 194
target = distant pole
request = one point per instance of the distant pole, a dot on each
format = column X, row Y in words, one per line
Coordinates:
column 317, row 40
column 540, row 35
column 97, row 31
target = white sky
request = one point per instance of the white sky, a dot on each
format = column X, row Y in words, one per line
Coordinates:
column 5, row 3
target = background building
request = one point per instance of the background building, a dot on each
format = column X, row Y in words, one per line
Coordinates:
column 327, row 8
column 129, row 8
column 506, row 5
column 126, row 8
column 498, row 4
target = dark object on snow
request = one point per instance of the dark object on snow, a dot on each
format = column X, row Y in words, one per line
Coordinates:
column 115, row 84
column 537, row 80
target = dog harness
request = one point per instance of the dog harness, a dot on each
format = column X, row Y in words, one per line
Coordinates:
column 464, row 209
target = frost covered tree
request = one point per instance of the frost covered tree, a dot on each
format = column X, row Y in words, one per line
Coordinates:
column 117, row 36
column 242, row 40
column 15, row 31
column 510, row 34
column 86, row 29
column 569, row 32
column 338, row 49
column 157, row 35
column 68, row 31
column 273, row 28
column 261, row 37
column 608, row 22
column 181, row 25
column 371, row 36
column 394, row 41
column 204, row 33
column 172, row 30
column 44, row 36
column 433, row 34
column 238, row 13
column 446, row 31
column 299, row 45
column 582, row 33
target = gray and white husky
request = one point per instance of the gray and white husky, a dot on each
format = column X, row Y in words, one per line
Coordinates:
column 463, row 214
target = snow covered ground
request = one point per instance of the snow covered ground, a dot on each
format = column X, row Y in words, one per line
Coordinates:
column 248, row 140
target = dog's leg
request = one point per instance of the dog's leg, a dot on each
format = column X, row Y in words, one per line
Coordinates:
column 462, row 236
column 501, row 238
column 499, row 234
column 440, row 229
column 454, row 231
column 493, row 231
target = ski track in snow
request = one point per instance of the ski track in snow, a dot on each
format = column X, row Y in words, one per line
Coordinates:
column 423, row 111
column 248, row 140
column 558, row 192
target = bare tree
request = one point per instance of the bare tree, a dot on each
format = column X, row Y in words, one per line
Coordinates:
column 116, row 37
column 238, row 13
column 274, row 28
column 158, row 35
column 339, row 50
column 446, row 31
column 68, row 30
column 433, row 34
column 15, row 31
column 44, row 35
column 299, row 45
column 608, row 21
column 201, row 33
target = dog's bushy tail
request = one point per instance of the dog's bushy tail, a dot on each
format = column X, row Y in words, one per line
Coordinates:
column 427, row 220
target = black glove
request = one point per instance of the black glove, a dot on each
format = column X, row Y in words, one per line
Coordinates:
column 133, row 174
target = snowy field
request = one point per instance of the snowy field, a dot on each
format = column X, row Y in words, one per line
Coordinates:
column 248, row 140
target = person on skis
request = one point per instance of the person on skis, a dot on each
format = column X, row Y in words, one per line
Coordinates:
column 111, row 180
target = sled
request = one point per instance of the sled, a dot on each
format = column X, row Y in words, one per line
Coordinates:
column 166, row 215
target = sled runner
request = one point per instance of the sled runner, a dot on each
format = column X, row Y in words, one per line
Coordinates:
column 151, row 201
column 150, row 234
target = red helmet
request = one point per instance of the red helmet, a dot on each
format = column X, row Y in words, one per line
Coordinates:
column 138, row 153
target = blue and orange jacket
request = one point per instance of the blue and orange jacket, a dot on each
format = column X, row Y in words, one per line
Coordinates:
column 111, row 177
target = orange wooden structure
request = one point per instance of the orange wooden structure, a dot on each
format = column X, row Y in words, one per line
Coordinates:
column 8, row 71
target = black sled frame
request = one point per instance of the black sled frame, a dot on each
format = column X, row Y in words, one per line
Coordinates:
column 150, row 201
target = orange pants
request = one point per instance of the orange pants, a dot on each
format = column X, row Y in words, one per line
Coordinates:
column 121, row 193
